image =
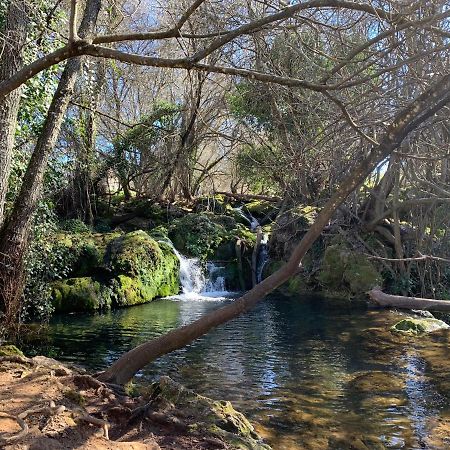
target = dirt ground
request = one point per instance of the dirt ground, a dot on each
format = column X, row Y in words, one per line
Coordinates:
column 64, row 409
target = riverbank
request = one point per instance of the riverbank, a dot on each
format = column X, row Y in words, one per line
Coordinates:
column 47, row 405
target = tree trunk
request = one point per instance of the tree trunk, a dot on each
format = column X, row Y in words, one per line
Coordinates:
column 402, row 302
column 13, row 39
column 426, row 105
column 15, row 232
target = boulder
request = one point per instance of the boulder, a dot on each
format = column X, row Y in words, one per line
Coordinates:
column 83, row 294
column 133, row 269
column 141, row 268
column 416, row 326
column 345, row 269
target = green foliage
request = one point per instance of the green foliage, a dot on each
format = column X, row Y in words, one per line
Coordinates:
column 74, row 226
column 257, row 166
column 46, row 261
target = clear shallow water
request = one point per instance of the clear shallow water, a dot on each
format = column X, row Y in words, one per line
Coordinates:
column 304, row 368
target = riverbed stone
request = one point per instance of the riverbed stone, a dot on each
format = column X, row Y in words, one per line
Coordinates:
column 419, row 326
column 377, row 382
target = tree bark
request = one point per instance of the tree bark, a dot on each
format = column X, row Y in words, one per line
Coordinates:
column 402, row 302
column 422, row 108
column 15, row 232
column 14, row 35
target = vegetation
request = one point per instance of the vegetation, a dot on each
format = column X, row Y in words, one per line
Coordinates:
column 312, row 134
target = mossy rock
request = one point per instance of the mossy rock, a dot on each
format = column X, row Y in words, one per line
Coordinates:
column 82, row 294
column 217, row 204
column 142, row 269
column 217, row 418
column 86, row 251
column 10, row 350
column 196, row 235
column 420, row 326
column 287, row 231
column 344, row 269
column 134, row 269
column 261, row 209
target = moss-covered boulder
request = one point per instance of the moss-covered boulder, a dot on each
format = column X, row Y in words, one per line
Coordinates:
column 83, row 294
column 261, row 209
column 126, row 270
column 418, row 326
column 205, row 415
column 84, row 252
column 196, row 235
column 344, row 269
column 141, row 269
column 10, row 350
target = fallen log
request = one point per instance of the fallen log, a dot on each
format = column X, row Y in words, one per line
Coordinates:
column 399, row 301
column 250, row 197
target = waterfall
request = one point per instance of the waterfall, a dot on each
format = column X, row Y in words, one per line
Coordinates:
column 195, row 281
column 253, row 223
column 263, row 257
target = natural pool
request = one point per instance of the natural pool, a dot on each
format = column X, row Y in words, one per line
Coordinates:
column 315, row 373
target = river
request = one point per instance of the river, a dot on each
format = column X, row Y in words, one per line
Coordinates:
column 313, row 372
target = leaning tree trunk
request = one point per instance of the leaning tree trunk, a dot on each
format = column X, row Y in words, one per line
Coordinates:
column 407, row 120
column 14, row 34
column 15, row 232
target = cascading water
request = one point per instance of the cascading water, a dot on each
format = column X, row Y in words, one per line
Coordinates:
column 263, row 257
column 195, row 283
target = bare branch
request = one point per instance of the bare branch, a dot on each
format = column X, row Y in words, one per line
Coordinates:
column 73, row 35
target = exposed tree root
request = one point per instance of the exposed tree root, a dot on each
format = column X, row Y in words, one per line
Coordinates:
column 4, row 440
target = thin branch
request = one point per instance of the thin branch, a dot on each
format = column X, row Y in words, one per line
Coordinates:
column 416, row 258
column 73, row 35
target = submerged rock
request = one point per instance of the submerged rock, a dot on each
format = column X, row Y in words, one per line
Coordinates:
column 420, row 326
column 205, row 415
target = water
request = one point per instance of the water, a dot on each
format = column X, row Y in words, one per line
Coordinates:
column 301, row 367
column 199, row 282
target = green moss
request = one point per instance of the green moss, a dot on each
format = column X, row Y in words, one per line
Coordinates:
column 344, row 269
column 10, row 350
column 79, row 295
column 141, row 268
column 420, row 326
column 217, row 204
column 260, row 208
column 197, row 235
column 361, row 275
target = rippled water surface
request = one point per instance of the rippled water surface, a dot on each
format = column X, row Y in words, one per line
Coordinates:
column 314, row 372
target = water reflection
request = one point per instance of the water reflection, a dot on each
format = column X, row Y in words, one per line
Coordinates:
column 315, row 373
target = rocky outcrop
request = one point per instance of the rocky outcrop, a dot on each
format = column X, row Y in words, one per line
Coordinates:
column 133, row 269
column 217, row 418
